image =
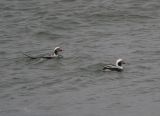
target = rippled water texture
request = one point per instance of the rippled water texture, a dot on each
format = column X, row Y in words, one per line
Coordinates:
column 92, row 33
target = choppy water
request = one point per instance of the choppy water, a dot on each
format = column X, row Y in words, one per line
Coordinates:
column 92, row 34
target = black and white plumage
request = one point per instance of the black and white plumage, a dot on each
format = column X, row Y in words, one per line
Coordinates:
column 117, row 67
column 55, row 54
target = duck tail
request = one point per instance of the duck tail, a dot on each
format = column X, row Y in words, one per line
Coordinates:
column 105, row 67
column 29, row 56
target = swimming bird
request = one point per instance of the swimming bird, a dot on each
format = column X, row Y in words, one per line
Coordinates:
column 55, row 54
column 117, row 67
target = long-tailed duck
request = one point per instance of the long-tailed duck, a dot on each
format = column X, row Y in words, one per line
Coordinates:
column 55, row 54
column 117, row 67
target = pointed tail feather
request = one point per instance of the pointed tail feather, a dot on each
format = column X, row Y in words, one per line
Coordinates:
column 105, row 67
column 29, row 56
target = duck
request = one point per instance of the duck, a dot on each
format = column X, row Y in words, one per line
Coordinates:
column 117, row 67
column 55, row 54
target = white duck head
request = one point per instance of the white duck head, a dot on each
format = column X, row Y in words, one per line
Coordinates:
column 119, row 63
column 56, row 51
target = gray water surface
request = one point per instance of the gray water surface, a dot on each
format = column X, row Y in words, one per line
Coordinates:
column 92, row 33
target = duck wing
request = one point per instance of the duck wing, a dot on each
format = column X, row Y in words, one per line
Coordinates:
column 111, row 68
